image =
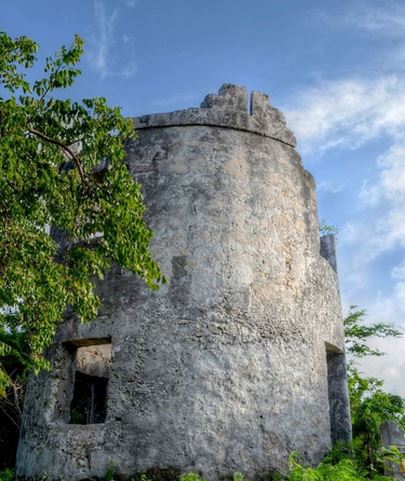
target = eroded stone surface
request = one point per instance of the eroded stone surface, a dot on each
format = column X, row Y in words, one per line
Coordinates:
column 224, row 368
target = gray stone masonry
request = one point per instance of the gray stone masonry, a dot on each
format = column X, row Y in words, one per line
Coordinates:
column 225, row 368
column 393, row 435
column 328, row 250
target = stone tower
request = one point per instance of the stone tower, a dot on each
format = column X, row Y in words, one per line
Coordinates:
column 239, row 359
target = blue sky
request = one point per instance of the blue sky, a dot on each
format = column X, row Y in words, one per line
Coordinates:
column 336, row 69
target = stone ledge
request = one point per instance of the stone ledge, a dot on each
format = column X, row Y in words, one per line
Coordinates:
column 228, row 109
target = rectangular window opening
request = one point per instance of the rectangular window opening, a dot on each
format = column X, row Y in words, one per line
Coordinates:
column 90, row 372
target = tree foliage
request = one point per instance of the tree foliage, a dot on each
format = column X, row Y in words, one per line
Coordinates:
column 327, row 229
column 370, row 404
column 62, row 165
column 357, row 333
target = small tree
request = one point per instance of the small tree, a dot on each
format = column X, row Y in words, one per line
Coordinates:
column 370, row 404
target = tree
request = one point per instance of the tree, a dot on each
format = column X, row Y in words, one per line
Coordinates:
column 370, row 404
column 62, row 164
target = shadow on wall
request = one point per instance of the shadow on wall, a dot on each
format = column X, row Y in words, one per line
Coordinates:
column 9, row 433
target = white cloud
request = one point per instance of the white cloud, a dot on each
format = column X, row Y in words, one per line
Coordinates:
column 370, row 194
column 389, row 191
column 131, row 3
column 351, row 233
column 110, row 55
column 343, row 114
column 392, row 179
column 391, row 367
column 398, row 272
column 103, row 39
column 347, row 113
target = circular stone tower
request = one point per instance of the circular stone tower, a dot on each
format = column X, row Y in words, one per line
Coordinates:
column 238, row 360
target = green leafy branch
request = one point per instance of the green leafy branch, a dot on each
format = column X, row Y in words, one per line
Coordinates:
column 62, row 164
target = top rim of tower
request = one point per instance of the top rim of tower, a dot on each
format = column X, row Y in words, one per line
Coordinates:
column 229, row 109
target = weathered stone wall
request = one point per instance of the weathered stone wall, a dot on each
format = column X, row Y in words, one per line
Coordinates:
column 225, row 367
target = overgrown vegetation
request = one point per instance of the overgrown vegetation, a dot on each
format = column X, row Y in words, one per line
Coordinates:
column 370, row 404
column 341, row 464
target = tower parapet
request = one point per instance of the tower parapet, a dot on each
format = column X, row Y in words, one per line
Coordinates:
column 228, row 108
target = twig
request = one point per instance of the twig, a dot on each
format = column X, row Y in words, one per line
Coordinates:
column 16, row 423
column 16, row 399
